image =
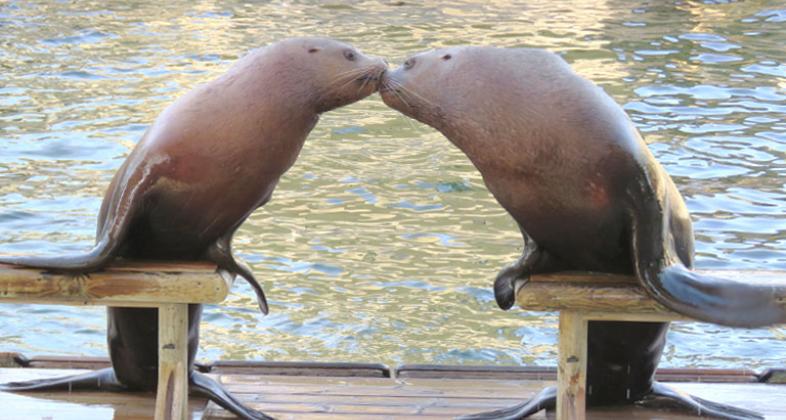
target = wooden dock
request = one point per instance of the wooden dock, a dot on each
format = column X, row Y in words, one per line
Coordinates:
column 356, row 391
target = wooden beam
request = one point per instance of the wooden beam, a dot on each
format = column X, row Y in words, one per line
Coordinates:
column 172, row 392
column 603, row 296
column 140, row 284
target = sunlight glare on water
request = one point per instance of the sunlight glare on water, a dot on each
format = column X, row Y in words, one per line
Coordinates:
column 381, row 243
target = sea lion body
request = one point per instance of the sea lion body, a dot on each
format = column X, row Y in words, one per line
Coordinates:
column 208, row 161
column 568, row 165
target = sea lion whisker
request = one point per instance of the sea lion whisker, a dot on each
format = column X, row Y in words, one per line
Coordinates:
column 398, row 90
column 340, row 82
column 412, row 93
column 345, row 79
column 400, row 96
column 351, row 71
column 347, row 76
column 365, row 79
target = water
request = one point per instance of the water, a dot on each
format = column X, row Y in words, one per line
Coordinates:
column 381, row 243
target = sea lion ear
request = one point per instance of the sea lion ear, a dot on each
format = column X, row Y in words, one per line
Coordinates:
column 447, row 57
column 312, row 50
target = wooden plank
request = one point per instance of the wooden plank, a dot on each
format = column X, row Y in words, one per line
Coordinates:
column 172, row 395
column 572, row 368
column 476, row 372
column 125, row 284
column 549, row 373
column 374, row 370
column 708, row 375
column 602, row 293
column 61, row 362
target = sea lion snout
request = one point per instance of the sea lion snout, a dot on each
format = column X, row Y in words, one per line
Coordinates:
column 375, row 73
column 389, row 85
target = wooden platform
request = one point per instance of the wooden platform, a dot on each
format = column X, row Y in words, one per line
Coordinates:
column 419, row 392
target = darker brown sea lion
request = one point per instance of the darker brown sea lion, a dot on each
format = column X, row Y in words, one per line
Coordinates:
column 565, row 161
column 209, row 160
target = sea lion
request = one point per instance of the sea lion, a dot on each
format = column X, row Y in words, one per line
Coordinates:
column 207, row 162
column 568, row 165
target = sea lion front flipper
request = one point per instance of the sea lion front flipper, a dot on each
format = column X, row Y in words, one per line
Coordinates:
column 204, row 386
column 661, row 270
column 95, row 259
column 102, row 380
column 698, row 405
column 121, row 205
column 534, row 259
column 221, row 254
column 544, row 400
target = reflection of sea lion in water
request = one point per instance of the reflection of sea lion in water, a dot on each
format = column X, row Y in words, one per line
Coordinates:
column 564, row 160
column 208, row 161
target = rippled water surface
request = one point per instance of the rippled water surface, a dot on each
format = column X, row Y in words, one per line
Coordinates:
column 381, row 243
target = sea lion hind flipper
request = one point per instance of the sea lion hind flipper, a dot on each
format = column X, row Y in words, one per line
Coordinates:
column 204, row 386
column 102, row 380
column 697, row 405
column 544, row 400
column 664, row 276
column 221, row 254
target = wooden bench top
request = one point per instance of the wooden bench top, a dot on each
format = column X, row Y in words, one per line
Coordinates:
column 607, row 296
column 127, row 283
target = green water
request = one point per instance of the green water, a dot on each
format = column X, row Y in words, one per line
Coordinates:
column 381, row 243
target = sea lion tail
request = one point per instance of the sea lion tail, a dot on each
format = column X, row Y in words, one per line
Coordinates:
column 206, row 387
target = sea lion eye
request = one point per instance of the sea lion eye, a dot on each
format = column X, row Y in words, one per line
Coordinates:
column 447, row 57
column 349, row 55
column 409, row 63
column 313, row 50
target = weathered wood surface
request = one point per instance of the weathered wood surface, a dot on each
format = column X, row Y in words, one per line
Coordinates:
column 368, row 370
column 172, row 392
column 327, row 398
column 548, row 373
column 572, row 366
column 128, row 283
column 604, row 296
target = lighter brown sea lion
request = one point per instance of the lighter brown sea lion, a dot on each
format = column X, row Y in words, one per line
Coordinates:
column 565, row 161
column 209, row 160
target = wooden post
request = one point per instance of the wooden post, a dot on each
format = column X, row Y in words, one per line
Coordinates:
column 572, row 368
column 172, row 396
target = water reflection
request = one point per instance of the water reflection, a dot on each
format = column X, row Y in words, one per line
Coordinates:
column 381, row 243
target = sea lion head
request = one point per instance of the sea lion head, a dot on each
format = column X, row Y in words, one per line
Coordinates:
column 338, row 73
column 431, row 86
column 469, row 88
